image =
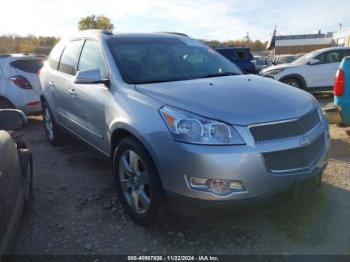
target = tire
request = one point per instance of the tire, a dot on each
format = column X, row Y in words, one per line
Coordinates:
column 6, row 104
column 26, row 161
column 137, row 181
column 293, row 82
column 53, row 133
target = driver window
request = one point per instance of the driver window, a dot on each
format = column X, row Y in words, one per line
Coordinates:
column 329, row 57
column 91, row 58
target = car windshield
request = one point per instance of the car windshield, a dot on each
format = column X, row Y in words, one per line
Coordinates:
column 303, row 60
column 163, row 59
column 286, row 59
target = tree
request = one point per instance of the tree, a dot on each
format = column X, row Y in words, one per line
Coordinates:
column 95, row 22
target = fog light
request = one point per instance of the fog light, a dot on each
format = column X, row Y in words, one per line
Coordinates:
column 216, row 186
column 220, row 187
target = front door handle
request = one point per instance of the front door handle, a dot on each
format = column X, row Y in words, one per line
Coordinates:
column 72, row 92
column 51, row 84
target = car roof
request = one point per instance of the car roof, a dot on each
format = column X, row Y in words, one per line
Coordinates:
column 147, row 35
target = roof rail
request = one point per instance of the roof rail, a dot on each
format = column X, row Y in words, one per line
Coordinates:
column 105, row 32
column 173, row 33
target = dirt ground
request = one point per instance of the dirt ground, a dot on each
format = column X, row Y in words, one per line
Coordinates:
column 76, row 211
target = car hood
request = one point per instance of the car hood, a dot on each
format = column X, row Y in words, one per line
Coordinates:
column 240, row 100
column 281, row 66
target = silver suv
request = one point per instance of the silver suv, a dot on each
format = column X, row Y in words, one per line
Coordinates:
column 185, row 130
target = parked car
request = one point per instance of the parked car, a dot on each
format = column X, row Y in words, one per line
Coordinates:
column 260, row 62
column 312, row 72
column 242, row 57
column 180, row 123
column 284, row 59
column 19, row 82
column 341, row 92
column 16, row 176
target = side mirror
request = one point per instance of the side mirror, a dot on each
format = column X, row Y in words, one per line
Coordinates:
column 12, row 119
column 314, row 61
column 90, row 76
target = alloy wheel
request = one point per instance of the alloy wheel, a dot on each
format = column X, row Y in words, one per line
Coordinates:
column 292, row 83
column 48, row 124
column 134, row 181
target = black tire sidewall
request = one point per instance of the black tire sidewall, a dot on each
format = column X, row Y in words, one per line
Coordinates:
column 57, row 135
column 26, row 161
column 156, row 211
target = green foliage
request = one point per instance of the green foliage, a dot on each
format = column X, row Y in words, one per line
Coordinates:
column 95, row 22
column 27, row 44
column 256, row 45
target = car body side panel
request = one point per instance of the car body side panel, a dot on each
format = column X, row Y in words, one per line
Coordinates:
column 344, row 101
column 88, row 111
column 11, row 180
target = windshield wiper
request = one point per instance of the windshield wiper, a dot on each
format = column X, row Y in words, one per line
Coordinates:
column 221, row 74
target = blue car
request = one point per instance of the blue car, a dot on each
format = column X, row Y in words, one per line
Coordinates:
column 242, row 57
column 341, row 91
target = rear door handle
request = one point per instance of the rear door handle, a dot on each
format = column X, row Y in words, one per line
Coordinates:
column 51, row 84
column 72, row 92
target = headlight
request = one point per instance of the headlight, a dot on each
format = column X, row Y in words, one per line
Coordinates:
column 190, row 128
column 273, row 72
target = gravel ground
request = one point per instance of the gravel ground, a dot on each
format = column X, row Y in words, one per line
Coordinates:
column 75, row 211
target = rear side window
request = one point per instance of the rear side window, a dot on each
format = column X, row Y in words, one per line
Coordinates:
column 243, row 54
column 27, row 65
column 55, row 55
column 330, row 57
column 92, row 58
column 70, row 57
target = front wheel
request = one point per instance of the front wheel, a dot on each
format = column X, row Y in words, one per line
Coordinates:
column 138, row 184
column 293, row 82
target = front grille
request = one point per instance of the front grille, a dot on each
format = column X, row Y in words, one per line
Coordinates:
column 285, row 129
column 297, row 158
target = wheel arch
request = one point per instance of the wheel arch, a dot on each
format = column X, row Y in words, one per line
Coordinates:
column 123, row 130
column 296, row 76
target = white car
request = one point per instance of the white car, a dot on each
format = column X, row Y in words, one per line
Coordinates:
column 314, row 71
column 19, row 82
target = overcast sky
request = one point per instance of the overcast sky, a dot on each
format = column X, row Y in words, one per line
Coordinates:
column 205, row 19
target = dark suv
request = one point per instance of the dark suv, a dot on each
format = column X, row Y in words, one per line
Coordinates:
column 240, row 56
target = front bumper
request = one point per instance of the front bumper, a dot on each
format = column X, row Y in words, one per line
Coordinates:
column 176, row 161
column 191, row 207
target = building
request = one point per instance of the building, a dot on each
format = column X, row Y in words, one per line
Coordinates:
column 295, row 44
column 342, row 37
